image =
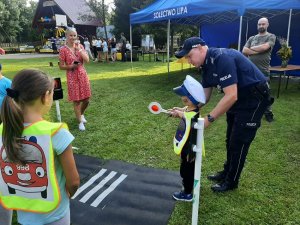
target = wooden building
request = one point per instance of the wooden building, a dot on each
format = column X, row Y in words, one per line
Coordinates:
column 77, row 12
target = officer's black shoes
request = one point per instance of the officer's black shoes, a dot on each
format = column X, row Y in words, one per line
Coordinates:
column 269, row 117
column 223, row 187
column 218, row 177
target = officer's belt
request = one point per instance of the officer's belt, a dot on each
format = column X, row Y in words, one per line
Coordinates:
column 260, row 90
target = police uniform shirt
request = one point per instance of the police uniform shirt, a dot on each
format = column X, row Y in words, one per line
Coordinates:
column 224, row 67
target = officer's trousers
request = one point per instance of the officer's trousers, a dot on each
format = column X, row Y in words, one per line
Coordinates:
column 243, row 120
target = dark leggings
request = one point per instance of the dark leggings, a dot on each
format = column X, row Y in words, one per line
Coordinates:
column 187, row 170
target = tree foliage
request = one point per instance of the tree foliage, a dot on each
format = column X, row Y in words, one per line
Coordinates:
column 101, row 11
column 9, row 17
column 120, row 17
column 28, row 33
column 15, row 20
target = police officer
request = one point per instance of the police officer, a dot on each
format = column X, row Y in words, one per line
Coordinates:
column 246, row 97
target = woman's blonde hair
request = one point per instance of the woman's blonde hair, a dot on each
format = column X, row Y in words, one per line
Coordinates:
column 70, row 29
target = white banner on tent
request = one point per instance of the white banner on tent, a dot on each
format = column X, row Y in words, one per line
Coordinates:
column 148, row 42
column 170, row 12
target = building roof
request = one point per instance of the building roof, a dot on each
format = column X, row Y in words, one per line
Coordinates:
column 77, row 12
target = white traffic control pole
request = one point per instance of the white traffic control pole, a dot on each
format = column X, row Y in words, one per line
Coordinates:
column 198, row 162
column 58, row 110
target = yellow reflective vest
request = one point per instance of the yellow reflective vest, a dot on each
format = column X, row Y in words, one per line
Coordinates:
column 31, row 186
column 183, row 132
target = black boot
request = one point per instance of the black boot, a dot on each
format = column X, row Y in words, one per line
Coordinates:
column 269, row 115
column 218, row 177
column 223, row 187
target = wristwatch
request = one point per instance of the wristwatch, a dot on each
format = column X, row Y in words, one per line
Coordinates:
column 210, row 118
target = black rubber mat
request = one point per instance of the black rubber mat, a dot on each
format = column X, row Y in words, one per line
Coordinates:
column 120, row 193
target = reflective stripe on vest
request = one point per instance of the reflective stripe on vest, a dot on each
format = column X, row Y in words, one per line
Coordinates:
column 33, row 186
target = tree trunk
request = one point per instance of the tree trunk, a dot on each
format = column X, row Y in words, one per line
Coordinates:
column 104, row 21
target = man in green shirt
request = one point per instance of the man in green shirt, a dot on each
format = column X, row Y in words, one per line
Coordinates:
column 259, row 48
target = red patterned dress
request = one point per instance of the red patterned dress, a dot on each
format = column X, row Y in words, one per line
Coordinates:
column 77, row 79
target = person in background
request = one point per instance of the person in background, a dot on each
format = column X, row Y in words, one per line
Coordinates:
column 43, row 148
column 53, row 45
column 72, row 57
column 99, row 49
column 113, row 52
column 94, row 47
column 192, row 95
column 105, row 50
column 128, row 46
column 258, row 48
column 87, row 47
column 246, row 97
column 123, row 47
column 5, row 214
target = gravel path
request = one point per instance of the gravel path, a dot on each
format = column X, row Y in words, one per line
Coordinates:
column 26, row 56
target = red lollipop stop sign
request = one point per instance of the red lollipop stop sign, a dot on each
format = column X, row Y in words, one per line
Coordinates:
column 156, row 108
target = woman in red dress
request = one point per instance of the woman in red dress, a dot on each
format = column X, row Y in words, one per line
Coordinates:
column 72, row 57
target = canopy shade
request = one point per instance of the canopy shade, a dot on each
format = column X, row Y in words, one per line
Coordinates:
column 198, row 12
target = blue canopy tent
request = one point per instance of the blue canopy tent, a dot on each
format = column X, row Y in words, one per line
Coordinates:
column 203, row 12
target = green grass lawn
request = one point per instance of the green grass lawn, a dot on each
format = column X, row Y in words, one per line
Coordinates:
column 120, row 127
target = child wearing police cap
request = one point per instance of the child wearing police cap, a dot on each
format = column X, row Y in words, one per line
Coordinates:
column 192, row 96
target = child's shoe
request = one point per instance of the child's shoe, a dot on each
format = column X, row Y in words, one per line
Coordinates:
column 81, row 126
column 181, row 196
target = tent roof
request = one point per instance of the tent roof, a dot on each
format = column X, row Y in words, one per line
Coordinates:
column 79, row 13
column 210, row 11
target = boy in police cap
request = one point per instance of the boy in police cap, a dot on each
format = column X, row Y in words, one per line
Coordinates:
column 192, row 95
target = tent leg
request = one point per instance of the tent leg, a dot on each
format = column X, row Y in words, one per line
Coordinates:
column 240, row 33
column 289, row 28
column 130, row 34
column 247, row 30
column 168, row 48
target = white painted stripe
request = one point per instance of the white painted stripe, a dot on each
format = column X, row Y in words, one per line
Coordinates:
column 90, row 181
column 97, row 188
column 112, row 187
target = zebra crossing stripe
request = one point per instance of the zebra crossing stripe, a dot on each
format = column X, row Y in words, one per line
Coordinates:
column 97, row 187
column 90, row 181
column 112, row 187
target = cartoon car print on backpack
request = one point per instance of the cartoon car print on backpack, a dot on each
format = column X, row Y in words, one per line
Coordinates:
column 30, row 177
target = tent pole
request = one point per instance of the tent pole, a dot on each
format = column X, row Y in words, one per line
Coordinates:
column 289, row 28
column 240, row 33
column 168, row 48
column 247, row 30
column 130, row 34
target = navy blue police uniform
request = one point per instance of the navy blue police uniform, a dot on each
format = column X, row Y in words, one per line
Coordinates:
column 225, row 67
